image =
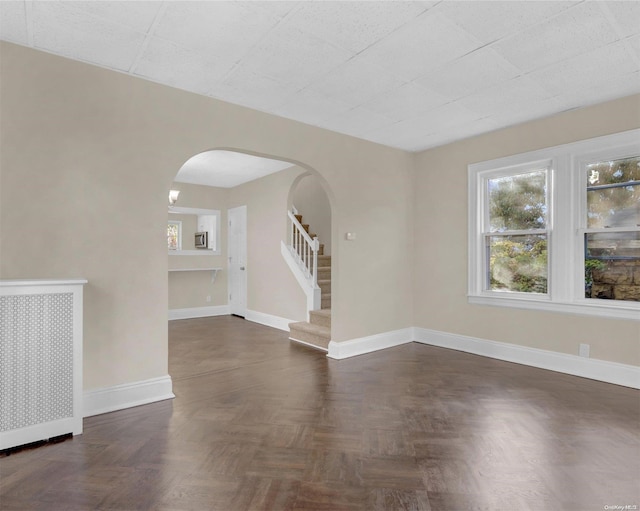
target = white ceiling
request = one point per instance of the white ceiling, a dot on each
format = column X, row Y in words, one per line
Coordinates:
column 227, row 169
column 411, row 75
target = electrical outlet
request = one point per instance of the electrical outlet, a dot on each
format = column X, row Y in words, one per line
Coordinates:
column 584, row 350
column 208, row 298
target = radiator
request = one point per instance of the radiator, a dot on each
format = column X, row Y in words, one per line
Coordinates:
column 40, row 360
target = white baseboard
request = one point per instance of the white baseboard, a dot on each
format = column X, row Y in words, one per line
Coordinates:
column 362, row 345
column 199, row 312
column 127, row 395
column 269, row 320
column 594, row 369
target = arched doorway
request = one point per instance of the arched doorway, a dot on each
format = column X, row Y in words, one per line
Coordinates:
column 201, row 284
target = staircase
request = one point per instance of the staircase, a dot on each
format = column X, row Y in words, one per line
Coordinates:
column 316, row 332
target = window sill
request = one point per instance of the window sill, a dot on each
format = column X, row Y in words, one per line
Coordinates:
column 619, row 310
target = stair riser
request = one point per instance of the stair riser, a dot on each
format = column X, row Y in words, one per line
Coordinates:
column 324, row 274
column 326, row 302
column 325, row 286
column 309, row 338
column 320, row 320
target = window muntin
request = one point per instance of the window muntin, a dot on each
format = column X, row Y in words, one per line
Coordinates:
column 515, row 234
column 612, row 236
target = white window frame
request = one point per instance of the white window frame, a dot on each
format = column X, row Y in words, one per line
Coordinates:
column 178, row 223
column 566, row 224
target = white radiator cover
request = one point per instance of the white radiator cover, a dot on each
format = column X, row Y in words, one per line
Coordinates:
column 40, row 360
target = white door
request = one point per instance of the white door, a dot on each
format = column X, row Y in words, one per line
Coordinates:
column 237, row 218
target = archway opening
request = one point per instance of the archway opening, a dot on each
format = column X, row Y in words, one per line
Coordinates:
column 216, row 183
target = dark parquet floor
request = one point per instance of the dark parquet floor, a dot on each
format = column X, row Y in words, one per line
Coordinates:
column 259, row 423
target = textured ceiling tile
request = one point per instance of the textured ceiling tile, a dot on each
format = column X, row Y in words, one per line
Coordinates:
column 506, row 97
column 226, row 29
column 420, row 46
column 490, row 21
column 357, row 122
column 437, row 120
column 408, row 100
column 356, row 25
column 245, row 87
column 311, row 107
column 291, row 56
column 278, row 7
column 625, row 15
column 575, row 31
column 528, row 111
column 594, row 69
column 625, row 85
column 356, row 82
column 136, row 15
column 13, row 22
column 165, row 62
column 79, row 35
column 429, row 130
column 633, row 46
column 473, row 72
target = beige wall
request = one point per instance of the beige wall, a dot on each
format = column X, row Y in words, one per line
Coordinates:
column 313, row 204
column 440, row 267
column 190, row 289
column 87, row 158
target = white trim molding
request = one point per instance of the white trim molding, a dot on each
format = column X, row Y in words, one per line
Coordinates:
column 311, row 290
column 594, row 369
column 127, row 395
column 369, row 344
column 269, row 320
column 199, row 312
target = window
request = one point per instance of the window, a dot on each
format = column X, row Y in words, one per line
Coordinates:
column 515, row 234
column 174, row 234
column 559, row 229
column 612, row 234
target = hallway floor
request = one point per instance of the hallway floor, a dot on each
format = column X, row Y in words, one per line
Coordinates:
column 260, row 423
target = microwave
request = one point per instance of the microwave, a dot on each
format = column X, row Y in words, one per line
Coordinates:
column 202, row 240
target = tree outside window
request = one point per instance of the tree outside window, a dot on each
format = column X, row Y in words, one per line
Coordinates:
column 174, row 234
column 516, row 241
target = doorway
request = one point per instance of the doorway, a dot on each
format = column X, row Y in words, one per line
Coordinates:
column 237, row 253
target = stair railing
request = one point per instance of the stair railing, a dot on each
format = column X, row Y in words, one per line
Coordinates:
column 304, row 248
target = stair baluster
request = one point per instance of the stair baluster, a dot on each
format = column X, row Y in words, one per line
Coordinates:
column 305, row 248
